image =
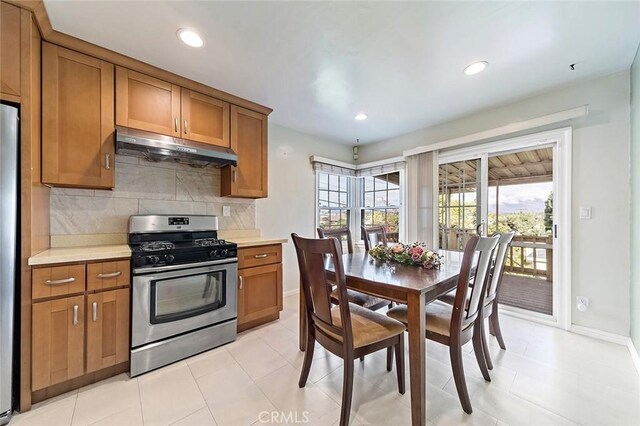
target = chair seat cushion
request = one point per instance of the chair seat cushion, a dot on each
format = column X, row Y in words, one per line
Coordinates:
column 438, row 316
column 360, row 299
column 368, row 326
column 450, row 298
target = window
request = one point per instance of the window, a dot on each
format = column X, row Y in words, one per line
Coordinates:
column 334, row 201
column 381, row 203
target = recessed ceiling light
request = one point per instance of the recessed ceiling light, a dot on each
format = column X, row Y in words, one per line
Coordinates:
column 361, row 116
column 190, row 37
column 475, row 67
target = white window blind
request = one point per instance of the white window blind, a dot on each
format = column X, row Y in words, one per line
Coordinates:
column 333, row 169
column 381, row 169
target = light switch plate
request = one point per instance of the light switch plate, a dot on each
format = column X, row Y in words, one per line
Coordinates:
column 226, row 211
column 585, row 212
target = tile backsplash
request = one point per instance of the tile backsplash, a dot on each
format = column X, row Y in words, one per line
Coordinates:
column 144, row 187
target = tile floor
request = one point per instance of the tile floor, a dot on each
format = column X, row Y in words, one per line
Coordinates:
column 546, row 377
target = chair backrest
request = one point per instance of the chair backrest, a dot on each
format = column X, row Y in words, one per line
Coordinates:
column 313, row 255
column 480, row 250
column 373, row 235
column 498, row 267
column 342, row 234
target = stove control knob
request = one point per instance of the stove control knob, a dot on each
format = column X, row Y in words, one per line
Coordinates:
column 169, row 258
column 224, row 253
column 213, row 253
column 154, row 259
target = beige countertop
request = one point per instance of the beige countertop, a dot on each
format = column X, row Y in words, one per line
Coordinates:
column 256, row 241
column 80, row 254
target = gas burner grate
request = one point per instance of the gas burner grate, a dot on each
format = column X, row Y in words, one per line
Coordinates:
column 208, row 242
column 157, row 246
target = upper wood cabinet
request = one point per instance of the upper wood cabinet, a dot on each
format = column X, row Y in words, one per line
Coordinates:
column 146, row 103
column 9, row 49
column 77, row 119
column 249, row 141
column 205, row 119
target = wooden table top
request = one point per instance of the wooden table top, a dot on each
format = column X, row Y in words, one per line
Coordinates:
column 363, row 272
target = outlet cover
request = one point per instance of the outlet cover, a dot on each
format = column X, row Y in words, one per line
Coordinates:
column 226, row 211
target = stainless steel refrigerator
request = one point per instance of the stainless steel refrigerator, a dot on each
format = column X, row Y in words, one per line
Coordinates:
column 8, row 251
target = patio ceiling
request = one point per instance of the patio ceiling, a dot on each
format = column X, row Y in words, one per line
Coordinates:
column 533, row 166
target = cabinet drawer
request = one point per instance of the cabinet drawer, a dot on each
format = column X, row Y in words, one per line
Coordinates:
column 105, row 275
column 257, row 256
column 57, row 281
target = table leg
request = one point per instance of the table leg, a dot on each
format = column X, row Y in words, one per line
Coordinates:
column 417, row 358
column 302, row 322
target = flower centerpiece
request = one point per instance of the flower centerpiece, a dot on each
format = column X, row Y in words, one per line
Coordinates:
column 407, row 254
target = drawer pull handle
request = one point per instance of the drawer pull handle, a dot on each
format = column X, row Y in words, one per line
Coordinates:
column 261, row 256
column 75, row 314
column 111, row 275
column 185, row 127
column 107, row 161
column 176, row 124
column 233, row 172
column 95, row 311
column 60, row 282
column 241, row 282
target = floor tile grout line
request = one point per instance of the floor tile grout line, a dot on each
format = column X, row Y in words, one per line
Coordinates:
column 75, row 403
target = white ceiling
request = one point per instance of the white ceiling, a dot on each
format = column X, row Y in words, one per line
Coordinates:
column 317, row 64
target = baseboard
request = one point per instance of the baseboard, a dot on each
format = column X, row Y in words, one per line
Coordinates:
column 601, row 335
column 634, row 354
column 291, row 292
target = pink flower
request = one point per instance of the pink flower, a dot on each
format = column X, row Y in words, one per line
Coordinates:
column 415, row 257
column 428, row 264
column 417, row 250
column 397, row 248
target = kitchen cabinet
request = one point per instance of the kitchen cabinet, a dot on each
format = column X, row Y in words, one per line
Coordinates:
column 77, row 119
column 107, row 329
column 146, row 103
column 80, row 313
column 57, row 341
column 259, row 285
column 249, row 140
column 204, row 119
column 9, row 49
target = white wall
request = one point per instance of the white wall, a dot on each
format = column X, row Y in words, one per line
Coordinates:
column 601, row 144
column 635, row 201
column 291, row 203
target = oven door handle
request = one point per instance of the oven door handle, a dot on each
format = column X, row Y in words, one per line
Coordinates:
column 184, row 266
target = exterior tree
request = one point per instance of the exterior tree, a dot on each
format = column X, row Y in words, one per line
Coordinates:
column 548, row 213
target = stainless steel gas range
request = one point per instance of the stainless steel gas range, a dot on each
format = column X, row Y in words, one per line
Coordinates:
column 184, row 296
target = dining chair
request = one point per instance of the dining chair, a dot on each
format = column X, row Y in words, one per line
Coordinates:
column 490, row 304
column 373, row 235
column 362, row 299
column 346, row 330
column 453, row 325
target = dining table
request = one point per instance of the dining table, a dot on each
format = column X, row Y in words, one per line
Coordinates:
column 410, row 284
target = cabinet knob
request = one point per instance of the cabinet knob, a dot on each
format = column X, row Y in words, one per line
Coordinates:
column 176, row 124
column 185, row 127
column 233, row 175
column 107, row 161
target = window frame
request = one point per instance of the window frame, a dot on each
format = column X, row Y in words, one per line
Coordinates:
column 400, row 206
column 350, row 198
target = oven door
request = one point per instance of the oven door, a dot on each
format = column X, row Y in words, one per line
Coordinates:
column 171, row 300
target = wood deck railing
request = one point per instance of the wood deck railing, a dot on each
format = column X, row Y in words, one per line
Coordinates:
column 523, row 256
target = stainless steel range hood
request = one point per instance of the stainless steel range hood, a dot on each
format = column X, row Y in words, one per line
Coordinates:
column 156, row 147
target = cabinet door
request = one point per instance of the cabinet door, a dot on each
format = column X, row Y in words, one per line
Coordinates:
column 205, row 119
column 146, row 103
column 77, row 119
column 9, row 49
column 249, row 141
column 106, row 275
column 260, row 292
column 57, row 341
column 107, row 329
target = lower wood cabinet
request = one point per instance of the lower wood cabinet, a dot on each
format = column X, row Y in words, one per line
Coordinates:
column 107, row 329
column 259, row 286
column 57, row 341
column 75, row 335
